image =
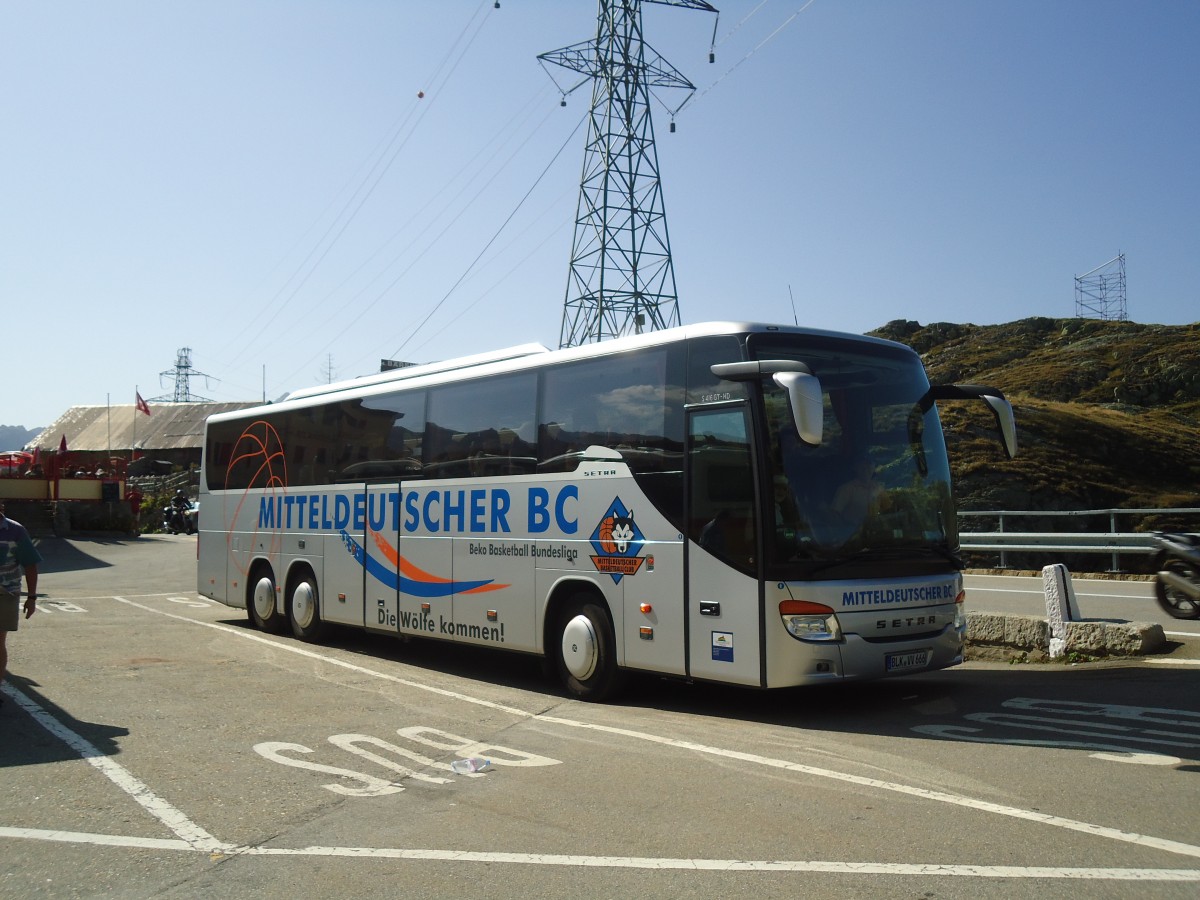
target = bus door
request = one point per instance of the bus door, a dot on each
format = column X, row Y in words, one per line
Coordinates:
column 379, row 541
column 341, row 598
column 723, row 587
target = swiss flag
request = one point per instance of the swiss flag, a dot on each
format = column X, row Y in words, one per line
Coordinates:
column 141, row 404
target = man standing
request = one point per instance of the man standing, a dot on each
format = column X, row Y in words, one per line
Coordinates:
column 17, row 556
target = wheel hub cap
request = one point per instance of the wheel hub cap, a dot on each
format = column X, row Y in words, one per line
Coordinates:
column 302, row 605
column 579, row 647
column 264, row 598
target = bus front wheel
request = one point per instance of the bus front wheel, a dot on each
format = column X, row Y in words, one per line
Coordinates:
column 262, row 604
column 304, row 611
column 586, row 651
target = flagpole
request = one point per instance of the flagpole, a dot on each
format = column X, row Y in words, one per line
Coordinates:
column 108, row 421
column 133, row 444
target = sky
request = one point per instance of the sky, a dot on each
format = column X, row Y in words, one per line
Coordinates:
column 294, row 190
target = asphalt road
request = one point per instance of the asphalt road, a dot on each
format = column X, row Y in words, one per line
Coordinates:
column 154, row 745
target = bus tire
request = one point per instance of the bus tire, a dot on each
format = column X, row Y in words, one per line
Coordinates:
column 261, row 608
column 586, row 650
column 303, row 609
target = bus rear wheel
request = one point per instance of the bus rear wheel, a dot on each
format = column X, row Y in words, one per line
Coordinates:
column 303, row 609
column 586, row 657
column 261, row 608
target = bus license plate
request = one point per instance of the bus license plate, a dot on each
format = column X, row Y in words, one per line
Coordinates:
column 914, row 659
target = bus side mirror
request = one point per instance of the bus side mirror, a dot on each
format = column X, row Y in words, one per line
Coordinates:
column 804, row 397
column 995, row 400
column 1005, row 421
column 803, row 389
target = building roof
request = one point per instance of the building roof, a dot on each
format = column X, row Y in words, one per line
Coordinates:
column 170, row 426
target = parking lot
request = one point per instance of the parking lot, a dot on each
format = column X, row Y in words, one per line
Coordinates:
column 154, row 744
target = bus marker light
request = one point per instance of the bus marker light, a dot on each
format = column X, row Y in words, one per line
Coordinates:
column 646, row 608
column 492, row 615
column 803, row 608
column 646, row 634
column 341, row 598
column 424, row 607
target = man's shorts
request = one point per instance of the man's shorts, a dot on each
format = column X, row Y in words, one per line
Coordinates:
column 10, row 611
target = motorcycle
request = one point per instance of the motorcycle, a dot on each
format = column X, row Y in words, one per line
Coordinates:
column 179, row 518
column 1177, row 582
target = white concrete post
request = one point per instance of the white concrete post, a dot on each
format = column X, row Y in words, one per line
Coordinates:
column 1061, row 606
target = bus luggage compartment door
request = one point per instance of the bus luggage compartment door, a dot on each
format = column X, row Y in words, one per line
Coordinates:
column 341, row 598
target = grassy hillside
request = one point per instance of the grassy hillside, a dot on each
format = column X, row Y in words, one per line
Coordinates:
column 1108, row 413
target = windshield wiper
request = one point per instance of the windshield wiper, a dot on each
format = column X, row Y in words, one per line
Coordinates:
column 892, row 552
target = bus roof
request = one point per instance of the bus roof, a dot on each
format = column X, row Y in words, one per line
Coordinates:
column 462, row 362
column 525, row 353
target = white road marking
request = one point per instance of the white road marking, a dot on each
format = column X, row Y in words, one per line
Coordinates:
column 1111, row 753
column 1102, row 831
column 1173, row 662
column 195, row 839
column 1083, row 589
column 173, row 818
column 1040, row 593
column 629, row 862
column 83, row 837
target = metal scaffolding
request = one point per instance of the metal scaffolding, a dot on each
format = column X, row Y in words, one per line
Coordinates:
column 1100, row 293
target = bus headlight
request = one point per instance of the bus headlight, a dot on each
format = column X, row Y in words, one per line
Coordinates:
column 810, row 621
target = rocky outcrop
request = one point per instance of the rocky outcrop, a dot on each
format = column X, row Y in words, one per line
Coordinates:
column 1108, row 413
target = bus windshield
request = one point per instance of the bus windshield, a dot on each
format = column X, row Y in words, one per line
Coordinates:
column 875, row 494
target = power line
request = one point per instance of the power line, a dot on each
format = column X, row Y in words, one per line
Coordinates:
column 366, row 187
column 770, row 37
column 491, row 240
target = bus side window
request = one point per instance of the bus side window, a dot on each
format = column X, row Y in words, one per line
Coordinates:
column 630, row 402
column 482, row 428
column 386, row 442
column 619, row 402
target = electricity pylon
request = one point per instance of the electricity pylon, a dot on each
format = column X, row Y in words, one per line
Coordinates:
column 182, row 373
column 621, row 279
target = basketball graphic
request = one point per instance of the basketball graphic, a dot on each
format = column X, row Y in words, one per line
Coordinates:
column 260, row 449
column 607, row 544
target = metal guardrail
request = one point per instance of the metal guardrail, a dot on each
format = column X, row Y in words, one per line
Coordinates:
column 1112, row 541
column 164, row 484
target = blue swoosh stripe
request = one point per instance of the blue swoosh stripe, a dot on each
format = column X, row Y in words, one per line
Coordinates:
column 391, row 578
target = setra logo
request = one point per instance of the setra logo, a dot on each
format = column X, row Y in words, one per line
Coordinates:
column 617, row 541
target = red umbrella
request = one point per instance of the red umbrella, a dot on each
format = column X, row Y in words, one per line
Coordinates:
column 15, row 459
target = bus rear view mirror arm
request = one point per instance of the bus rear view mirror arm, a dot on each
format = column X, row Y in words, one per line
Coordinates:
column 995, row 400
column 802, row 387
